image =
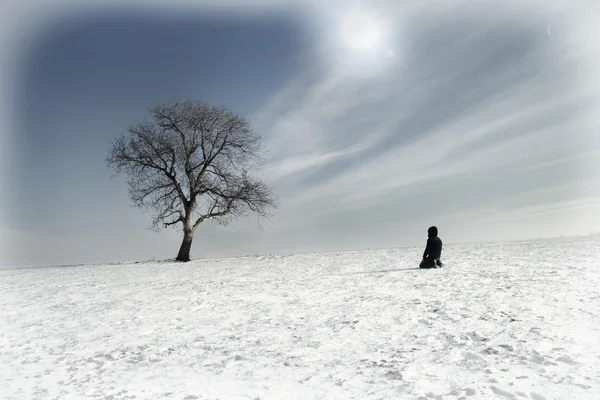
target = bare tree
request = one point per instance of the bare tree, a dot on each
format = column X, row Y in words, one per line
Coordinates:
column 191, row 164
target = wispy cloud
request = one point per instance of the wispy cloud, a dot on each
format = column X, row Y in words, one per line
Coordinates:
column 541, row 210
column 474, row 89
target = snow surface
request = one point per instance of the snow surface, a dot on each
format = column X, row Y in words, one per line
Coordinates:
column 500, row 321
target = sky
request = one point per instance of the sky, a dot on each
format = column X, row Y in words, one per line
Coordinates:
column 479, row 117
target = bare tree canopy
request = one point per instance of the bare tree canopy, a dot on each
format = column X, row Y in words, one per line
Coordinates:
column 192, row 163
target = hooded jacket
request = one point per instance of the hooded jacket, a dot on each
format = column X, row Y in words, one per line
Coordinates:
column 434, row 245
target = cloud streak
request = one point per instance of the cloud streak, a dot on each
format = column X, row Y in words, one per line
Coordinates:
column 478, row 89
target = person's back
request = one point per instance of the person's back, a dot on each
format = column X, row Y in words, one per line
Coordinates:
column 433, row 250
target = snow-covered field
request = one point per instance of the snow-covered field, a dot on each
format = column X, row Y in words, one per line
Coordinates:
column 500, row 321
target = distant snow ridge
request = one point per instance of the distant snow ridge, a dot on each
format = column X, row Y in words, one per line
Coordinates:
column 500, row 321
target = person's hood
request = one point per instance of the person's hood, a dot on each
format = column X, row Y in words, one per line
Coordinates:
column 432, row 232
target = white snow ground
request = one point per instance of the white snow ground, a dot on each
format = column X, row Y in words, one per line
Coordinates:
column 500, row 321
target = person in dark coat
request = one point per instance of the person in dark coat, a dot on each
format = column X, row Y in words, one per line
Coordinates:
column 433, row 250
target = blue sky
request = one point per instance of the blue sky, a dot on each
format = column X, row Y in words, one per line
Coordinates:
column 481, row 123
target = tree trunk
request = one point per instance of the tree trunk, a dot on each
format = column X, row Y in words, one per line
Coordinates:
column 186, row 246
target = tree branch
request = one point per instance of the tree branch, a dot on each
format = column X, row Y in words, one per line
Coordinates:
column 190, row 145
column 167, row 224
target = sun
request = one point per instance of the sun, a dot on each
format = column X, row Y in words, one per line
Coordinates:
column 357, row 38
column 361, row 32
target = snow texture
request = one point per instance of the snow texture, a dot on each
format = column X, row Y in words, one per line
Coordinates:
column 499, row 321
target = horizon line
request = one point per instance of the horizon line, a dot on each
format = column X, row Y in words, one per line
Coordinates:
column 591, row 234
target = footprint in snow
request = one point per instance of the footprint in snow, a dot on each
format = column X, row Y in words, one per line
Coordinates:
column 491, row 351
column 536, row 396
column 502, row 393
column 394, row 375
column 506, row 347
column 537, row 359
column 566, row 360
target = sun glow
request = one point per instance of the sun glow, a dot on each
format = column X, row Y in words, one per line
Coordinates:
column 362, row 32
column 363, row 41
column 357, row 38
